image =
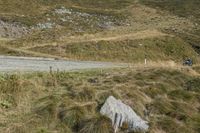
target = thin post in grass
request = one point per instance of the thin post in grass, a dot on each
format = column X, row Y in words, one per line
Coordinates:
column 58, row 71
column 145, row 56
column 101, row 71
column 51, row 70
column 145, row 60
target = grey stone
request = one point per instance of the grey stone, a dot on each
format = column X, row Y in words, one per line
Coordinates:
column 121, row 113
column 47, row 25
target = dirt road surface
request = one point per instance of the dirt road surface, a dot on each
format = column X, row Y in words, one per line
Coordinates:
column 30, row 64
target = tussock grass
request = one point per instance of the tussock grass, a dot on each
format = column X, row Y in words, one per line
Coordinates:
column 181, row 94
column 11, row 84
column 72, row 117
column 73, row 103
column 47, row 106
column 86, row 94
column 97, row 124
column 175, row 127
column 193, row 85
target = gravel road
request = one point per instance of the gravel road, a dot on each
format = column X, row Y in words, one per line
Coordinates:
column 29, row 64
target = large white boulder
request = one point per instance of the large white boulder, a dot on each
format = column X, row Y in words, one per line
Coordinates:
column 121, row 113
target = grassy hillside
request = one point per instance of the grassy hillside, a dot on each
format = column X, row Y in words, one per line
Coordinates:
column 72, row 29
column 101, row 30
column 186, row 9
column 30, row 12
column 156, row 49
column 70, row 102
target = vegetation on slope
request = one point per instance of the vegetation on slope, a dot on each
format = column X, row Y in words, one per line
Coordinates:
column 185, row 9
column 70, row 101
column 31, row 12
column 155, row 49
column 103, row 18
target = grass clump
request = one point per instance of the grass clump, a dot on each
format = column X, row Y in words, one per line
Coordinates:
column 181, row 94
column 72, row 116
column 193, row 85
column 11, row 84
column 154, row 92
column 194, row 122
column 170, row 125
column 97, row 124
column 47, row 106
column 85, row 94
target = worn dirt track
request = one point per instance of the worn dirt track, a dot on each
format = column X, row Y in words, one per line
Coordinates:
column 98, row 37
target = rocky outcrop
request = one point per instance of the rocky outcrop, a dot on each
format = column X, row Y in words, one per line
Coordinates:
column 82, row 19
column 121, row 114
column 12, row 30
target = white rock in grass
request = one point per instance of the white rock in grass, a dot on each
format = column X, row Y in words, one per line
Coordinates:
column 121, row 113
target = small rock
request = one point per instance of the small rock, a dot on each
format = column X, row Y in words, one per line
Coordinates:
column 93, row 80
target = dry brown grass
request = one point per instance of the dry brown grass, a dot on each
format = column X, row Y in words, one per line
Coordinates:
column 70, row 102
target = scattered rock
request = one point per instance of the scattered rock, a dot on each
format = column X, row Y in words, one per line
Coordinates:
column 47, row 25
column 106, row 25
column 89, row 20
column 122, row 114
column 63, row 10
column 12, row 30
